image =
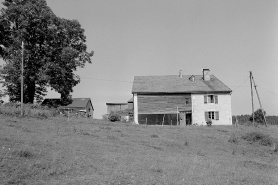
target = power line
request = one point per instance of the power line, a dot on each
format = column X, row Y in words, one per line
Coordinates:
column 100, row 79
column 241, row 85
column 267, row 90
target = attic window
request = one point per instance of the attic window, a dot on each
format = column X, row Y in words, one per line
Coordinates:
column 192, row 78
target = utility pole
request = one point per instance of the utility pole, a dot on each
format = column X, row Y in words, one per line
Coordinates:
column 259, row 100
column 252, row 98
column 21, row 108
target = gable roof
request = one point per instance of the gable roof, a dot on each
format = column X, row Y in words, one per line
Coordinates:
column 76, row 102
column 51, row 102
column 80, row 102
column 175, row 84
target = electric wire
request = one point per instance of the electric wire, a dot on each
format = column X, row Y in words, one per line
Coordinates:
column 240, row 85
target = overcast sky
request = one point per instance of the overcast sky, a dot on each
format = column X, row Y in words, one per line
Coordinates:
column 159, row 37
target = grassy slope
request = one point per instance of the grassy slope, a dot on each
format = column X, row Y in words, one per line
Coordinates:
column 54, row 151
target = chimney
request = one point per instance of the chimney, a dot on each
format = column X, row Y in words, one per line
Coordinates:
column 206, row 74
column 180, row 74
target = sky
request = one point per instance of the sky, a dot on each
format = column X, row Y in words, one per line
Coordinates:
column 160, row 37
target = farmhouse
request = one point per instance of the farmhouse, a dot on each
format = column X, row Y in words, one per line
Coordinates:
column 181, row 100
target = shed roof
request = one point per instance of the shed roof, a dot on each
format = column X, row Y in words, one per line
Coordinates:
column 116, row 103
column 79, row 102
column 76, row 102
column 175, row 84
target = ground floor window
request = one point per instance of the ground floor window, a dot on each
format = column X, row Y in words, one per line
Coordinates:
column 213, row 115
column 158, row 119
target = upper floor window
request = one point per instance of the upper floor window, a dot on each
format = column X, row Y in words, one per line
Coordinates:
column 210, row 99
column 187, row 101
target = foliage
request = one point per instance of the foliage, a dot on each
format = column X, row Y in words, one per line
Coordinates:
column 259, row 137
column 113, row 116
column 209, row 122
column 29, row 110
column 258, row 116
column 126, row 112
column 244, row 119
column 53, row 50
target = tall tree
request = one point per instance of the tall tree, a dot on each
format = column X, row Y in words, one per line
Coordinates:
column 53, row 50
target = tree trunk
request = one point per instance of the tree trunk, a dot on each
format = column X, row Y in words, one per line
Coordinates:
column 66, row 99
column 31, row 89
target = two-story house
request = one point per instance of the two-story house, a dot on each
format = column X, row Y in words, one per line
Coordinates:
column 181, row 100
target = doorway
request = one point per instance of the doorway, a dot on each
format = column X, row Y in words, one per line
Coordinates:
column 188, row 118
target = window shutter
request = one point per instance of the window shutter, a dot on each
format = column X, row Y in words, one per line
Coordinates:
column 205, row 99
column 206, row 116
column 217, row 115
column 216, row 99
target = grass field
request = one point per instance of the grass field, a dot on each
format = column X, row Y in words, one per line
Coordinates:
column 84, row 151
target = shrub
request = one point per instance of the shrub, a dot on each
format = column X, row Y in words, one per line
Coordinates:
column 209, row 122
column 29, row 110
column 114, row 117
column 260, row 137
column 258, row 116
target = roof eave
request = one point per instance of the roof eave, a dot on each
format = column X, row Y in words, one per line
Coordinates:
column 187, row 92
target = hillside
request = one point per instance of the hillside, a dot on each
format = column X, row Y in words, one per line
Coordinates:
column 83, row 151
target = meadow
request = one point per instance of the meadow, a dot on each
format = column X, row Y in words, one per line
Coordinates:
column 91, row 151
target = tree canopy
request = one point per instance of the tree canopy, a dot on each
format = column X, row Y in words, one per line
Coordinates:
column 53, row 50
column 258, row 116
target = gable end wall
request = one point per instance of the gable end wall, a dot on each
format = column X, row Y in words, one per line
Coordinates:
column 224, row 107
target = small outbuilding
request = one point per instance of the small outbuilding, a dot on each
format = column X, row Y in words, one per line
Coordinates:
column 115, row 107
column 82, row 105
column 79, row 104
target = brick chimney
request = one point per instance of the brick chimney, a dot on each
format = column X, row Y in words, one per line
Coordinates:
column 206, row 74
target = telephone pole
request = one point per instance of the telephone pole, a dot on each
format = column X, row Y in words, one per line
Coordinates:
column 21, row 108
column 259, row 100
column 252, row 98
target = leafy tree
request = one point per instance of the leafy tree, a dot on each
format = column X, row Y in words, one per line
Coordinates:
column 258, row 116
column 53, row 50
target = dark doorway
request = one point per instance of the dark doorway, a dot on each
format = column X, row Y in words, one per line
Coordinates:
column 189, row 119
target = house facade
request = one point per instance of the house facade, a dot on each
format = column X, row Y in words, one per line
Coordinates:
column 181, row 100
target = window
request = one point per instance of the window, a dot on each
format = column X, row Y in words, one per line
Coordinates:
column 187, row 101
column 210, row 99
column 213, row 115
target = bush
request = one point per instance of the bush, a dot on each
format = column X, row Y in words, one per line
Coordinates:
column 209, row 122
column 263, row 139
column 258, row 116
column 114, row 117
column 29, row 110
